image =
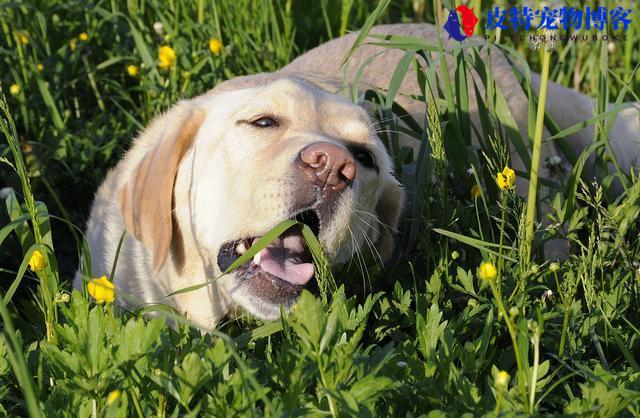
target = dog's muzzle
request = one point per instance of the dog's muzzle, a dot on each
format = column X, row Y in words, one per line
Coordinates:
column 277, row 274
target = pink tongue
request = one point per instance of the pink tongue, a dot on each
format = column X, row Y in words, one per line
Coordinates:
column 282, row 258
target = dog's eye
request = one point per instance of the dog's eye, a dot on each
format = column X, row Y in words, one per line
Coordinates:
column 365, row 158
column 265, row 122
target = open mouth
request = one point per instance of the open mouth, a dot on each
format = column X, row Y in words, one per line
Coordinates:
column 278, row 272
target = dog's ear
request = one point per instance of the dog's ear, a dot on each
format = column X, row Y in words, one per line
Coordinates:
column 389, row 209
column 146, row 199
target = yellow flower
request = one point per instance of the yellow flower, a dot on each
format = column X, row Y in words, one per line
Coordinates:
column 14, row 89
column 102, row 290
column 487, row 271
column 73, row 42
column 215, row 46
column 554, row 267
column 113, row 396
column 166, row 57
column 476, row 191
column 132, row 70
column 502, row 380
column 506, row 179
column 37, row 261
column 40, row 67
column 84, row 36
column 23, row 37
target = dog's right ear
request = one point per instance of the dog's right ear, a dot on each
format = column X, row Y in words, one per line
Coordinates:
column 146, row 199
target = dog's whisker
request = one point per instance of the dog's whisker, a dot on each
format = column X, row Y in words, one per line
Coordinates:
column 360, row 259
column 376, row 219
column 369, row 242
column 370, row 215
column 367, row 239
column 397, row 117
column 373, row 249
column 387, row 131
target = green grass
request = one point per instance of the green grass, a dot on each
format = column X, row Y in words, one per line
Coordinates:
column 424, row 336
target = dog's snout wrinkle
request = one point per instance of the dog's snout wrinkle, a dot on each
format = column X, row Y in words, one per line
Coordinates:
column 328, row 165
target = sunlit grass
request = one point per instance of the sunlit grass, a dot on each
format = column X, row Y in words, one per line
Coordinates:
column 470, row 317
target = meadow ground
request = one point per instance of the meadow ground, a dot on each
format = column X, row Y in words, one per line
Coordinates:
column 462, row 322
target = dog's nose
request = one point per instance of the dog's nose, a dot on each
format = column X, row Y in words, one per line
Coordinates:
column 328, row 165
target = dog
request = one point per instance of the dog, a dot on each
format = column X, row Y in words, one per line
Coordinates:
column 213, row 174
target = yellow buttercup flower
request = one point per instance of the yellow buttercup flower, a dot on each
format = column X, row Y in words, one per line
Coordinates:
column 84, row 36
column 102, row 290
column 73, row 43
column 476, row 191
column 487, row 271
column 215, row 46
column 23, row 37
column 506, row 179
column 166, row 57
column 40, row 67
column 113, row 396
column 502, row 380
column 132, row 70
column 14, row 89
column 37, row 261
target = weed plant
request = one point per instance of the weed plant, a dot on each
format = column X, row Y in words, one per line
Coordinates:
column 469, row 318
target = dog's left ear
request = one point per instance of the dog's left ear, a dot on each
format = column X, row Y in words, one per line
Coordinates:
column 389, row 209
column 146, row 199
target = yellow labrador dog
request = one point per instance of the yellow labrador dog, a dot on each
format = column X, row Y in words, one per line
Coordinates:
column 214, row 173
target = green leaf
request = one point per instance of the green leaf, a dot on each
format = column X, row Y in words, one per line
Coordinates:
column 191, row 376
column 481, row 245
column 466, row 278
column 368, row 24
column 429, row 331
column 370, row 388
column 308, row 320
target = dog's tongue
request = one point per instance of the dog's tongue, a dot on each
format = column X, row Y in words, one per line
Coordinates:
column 283, row 258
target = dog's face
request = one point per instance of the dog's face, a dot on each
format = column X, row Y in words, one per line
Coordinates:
column 243, row 161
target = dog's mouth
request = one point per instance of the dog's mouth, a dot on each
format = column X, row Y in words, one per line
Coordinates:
column 277, row 273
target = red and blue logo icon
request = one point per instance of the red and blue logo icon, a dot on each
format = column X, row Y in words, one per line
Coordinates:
column 468, row 24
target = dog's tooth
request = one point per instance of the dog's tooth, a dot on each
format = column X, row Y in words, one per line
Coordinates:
column 256, row 259
column 241, row 248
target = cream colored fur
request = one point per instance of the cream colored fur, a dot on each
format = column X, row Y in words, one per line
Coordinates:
column 235, row 181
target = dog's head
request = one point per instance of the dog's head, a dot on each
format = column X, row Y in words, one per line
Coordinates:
column 247, row 156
